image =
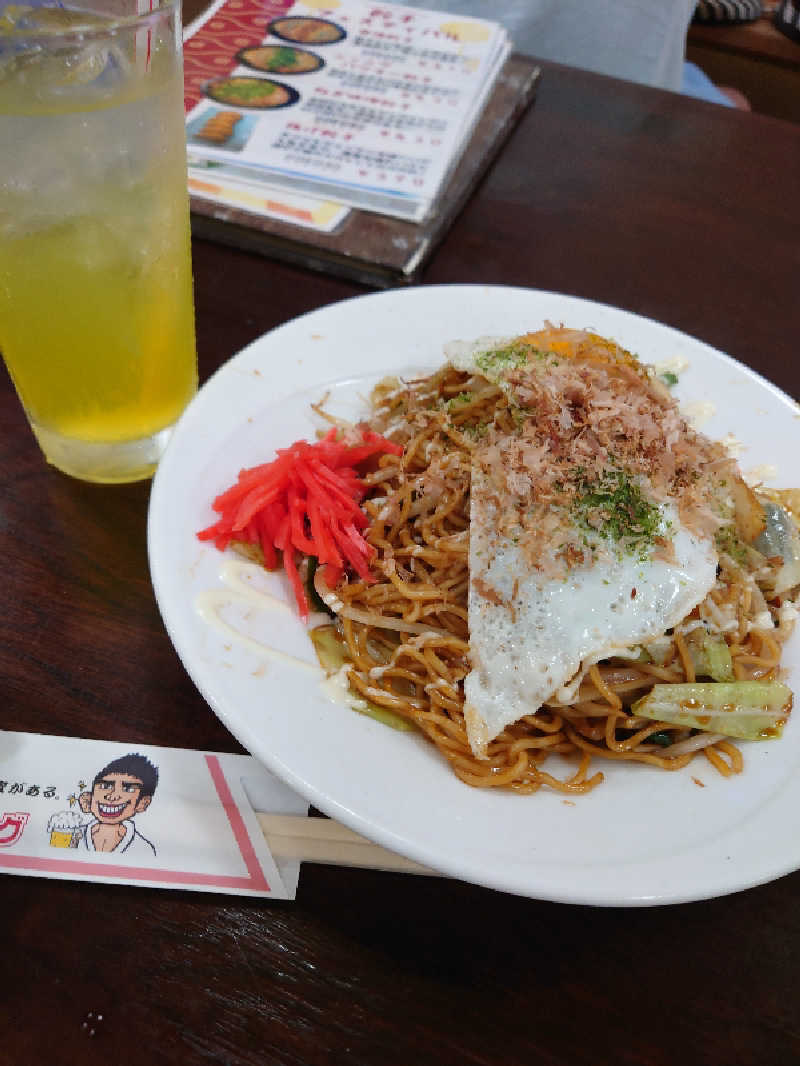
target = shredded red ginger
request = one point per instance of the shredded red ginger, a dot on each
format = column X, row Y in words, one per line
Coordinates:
column 306, row 500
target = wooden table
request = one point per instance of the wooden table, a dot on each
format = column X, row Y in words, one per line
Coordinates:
column 677, row 209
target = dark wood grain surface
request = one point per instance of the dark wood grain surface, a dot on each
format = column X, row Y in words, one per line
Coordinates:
column 670, row 207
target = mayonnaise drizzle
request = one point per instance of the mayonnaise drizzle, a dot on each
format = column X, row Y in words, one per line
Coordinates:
column 241, row 576
column 677, row 365
column 758, row 474
column 239, row 588
column 337, row 689
column 699, row 413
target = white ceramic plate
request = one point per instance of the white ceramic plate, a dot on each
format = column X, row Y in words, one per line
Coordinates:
column 642, row 837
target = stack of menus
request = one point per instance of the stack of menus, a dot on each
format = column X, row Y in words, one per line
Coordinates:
column 311, row 111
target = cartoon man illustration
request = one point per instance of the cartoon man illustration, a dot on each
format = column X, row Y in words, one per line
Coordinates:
column 122, row 789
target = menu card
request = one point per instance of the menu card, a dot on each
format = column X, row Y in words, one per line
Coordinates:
column 363, row 104
column 219, row 187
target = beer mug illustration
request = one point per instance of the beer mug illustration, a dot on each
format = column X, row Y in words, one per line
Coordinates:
column 65, row 829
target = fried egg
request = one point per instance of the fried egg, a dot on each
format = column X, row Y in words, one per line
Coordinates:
column 534, row 632
column 531, row 635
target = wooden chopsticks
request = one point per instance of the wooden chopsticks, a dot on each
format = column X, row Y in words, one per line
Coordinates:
column 293, row 836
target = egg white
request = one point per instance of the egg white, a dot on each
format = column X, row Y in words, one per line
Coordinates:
column 545, row 629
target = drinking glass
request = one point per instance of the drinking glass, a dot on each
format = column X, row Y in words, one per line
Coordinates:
column 96, row 313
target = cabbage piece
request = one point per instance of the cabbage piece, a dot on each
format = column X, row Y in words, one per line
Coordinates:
column 748, row 512
column 718, row 657
column 748, row 710
column 713, row 659
column 710, row 655
column 780, row 540
column 657, row 649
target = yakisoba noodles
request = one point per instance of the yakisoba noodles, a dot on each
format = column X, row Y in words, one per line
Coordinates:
column 530, row 469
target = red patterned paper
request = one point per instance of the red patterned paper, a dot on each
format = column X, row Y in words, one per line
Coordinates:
column 211, row 52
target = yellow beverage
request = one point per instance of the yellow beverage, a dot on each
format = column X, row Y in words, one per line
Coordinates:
column 96, row 315
column 111, row 357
